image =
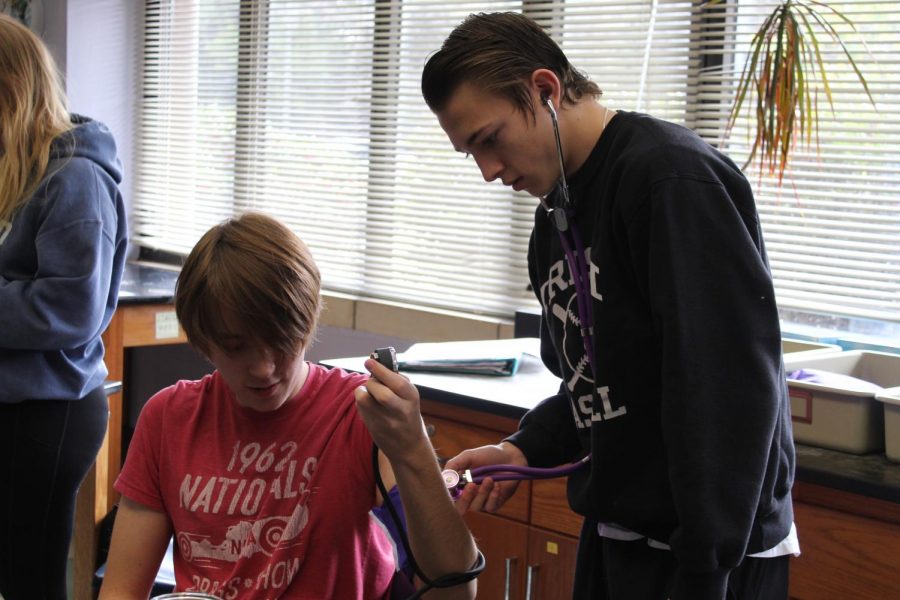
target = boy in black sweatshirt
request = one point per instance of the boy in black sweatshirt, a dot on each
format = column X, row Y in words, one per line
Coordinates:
column 659, row 317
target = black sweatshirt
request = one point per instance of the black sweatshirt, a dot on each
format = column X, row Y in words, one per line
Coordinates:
column 689, row 422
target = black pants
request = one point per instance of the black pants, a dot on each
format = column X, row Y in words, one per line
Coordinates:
column 615, row 570
column 46, row 449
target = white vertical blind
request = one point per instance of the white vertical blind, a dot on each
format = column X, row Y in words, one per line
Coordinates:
column 311, row 110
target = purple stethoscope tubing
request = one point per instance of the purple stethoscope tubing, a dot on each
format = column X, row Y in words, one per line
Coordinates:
column 517, row 473
column 456, row 481
column 572, row 246
column 581, row 276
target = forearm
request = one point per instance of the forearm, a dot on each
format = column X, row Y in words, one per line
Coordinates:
column 117, row 592
column 139, row 541
column 49, row 314
column 439, row 539
column 547, row 435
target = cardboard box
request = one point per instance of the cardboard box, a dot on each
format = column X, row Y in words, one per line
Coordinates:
column 841, row 417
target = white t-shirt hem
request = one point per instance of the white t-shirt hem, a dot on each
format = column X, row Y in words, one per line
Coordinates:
column 789, row 545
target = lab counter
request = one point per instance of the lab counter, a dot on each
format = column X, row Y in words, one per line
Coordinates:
column 142, row 284
column 870, row 475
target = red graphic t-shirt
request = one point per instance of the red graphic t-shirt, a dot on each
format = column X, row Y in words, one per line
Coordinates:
column 264, row 505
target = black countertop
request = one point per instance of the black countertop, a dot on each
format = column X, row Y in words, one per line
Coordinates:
column 143, row 283
column 870, row 475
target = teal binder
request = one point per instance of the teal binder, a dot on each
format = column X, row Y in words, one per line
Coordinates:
column 498, row 358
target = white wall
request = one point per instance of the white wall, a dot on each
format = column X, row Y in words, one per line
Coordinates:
column 96, row 44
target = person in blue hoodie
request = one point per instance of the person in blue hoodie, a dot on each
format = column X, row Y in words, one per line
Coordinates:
column 62, row 252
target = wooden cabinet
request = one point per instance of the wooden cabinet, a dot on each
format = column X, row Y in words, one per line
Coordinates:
column 530, row 544
column 551, row 565
column 504, row 544
column 849, row 546
column 132, row 325
column 523, row 561
column 550, row 507
column 849, row 542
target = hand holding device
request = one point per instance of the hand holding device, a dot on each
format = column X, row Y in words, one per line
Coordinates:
column 485, row 494
column 389, row 406
column 386, row 356
column 486, row 477
column 390, row 399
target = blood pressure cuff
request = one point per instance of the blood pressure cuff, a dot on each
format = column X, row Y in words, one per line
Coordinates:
column 383, row 515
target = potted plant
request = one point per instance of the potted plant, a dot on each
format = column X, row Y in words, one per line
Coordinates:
column 781, row 78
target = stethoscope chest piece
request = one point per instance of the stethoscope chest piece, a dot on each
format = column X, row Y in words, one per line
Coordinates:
column 451, row 478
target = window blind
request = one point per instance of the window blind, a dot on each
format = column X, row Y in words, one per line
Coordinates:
column 311, row 111
column 833, row 229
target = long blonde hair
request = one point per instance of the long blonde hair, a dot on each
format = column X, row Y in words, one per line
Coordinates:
column 32, row 113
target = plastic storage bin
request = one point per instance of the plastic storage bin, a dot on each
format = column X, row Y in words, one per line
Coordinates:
column 795, row 347
column 891, row 401
column 838, row 417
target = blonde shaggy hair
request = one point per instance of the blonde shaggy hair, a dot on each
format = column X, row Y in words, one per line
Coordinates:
column 32, row 113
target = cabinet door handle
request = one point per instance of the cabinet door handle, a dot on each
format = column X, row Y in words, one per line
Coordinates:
column 510, row 560
column 430, row 429
column 530, row 576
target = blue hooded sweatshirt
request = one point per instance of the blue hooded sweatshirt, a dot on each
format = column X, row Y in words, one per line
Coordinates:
column 61, row 261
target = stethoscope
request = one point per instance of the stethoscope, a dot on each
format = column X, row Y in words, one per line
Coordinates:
column 576, row 257
column 572, row 245
column 454, row 480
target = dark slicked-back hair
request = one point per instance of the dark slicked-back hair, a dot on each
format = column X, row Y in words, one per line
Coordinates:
column 498, row 52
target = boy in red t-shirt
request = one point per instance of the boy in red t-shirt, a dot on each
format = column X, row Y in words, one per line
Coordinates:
column 263, row 470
